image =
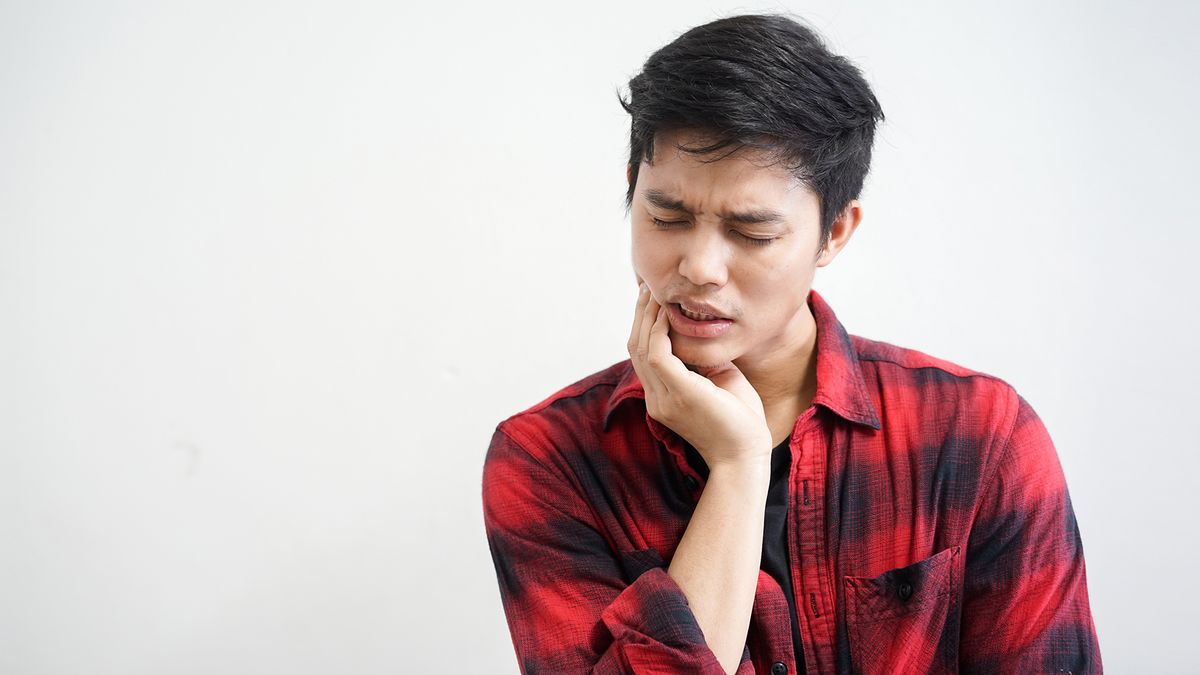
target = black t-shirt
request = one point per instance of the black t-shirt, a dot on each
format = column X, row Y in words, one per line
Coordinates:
column 775, row 547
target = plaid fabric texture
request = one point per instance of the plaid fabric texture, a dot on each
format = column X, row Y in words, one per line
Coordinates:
column 930, row 529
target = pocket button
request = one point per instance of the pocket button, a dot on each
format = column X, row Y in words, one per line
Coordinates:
column 905, row 591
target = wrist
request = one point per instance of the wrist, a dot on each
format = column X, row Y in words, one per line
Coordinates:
column 751, row 469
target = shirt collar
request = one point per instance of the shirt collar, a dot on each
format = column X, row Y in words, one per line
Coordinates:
column 840, row 383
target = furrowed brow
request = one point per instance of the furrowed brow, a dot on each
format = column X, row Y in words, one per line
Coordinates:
column 665, row 200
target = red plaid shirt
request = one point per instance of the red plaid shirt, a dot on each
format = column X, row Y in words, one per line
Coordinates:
column 929, row 528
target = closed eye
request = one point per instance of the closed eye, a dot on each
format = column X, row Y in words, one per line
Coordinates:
column 753, row 241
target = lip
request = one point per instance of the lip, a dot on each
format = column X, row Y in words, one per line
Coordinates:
column 693, row 328
column 697, row 307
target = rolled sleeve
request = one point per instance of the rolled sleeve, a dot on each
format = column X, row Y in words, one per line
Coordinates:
column 1025, row 601
column 563, row 587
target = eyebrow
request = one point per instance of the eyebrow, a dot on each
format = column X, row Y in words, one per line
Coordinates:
column 665, row 200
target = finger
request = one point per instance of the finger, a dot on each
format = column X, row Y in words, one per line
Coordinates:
column 637, row 347
column 636, row 330
column 651, row 314
column 671, row 371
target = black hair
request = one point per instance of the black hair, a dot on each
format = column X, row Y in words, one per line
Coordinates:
column 763, row 81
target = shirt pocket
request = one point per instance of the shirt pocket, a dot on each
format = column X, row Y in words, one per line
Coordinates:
column 905, row 619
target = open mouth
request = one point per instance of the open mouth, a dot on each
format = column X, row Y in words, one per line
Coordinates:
column 685, row 322
column 697, row 317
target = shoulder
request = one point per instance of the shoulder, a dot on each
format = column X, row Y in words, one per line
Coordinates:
column 571, row 416
column 916, row 382
column 888, row 355
column 898, row 361
column 590, row 390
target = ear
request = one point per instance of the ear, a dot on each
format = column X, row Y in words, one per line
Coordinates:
column 839, row 234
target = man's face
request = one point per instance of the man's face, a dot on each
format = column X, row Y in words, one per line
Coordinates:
column 700, row 253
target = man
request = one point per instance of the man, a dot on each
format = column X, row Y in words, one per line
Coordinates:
column 755, row 490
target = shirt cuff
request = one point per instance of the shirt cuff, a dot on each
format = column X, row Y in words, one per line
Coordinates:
column 655, row 628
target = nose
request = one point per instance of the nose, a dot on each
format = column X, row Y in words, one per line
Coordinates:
column 704, row 258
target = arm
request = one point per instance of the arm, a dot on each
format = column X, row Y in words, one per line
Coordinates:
column 1025, row 604
column 717, row 560
column 565, row 599
column 716, row 564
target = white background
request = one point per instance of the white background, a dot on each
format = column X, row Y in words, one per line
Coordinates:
column 270, row 274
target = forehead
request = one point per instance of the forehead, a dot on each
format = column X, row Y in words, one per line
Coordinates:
column 738, row 178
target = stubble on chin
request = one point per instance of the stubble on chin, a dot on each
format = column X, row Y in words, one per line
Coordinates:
column 701, row 368
column 706, row 368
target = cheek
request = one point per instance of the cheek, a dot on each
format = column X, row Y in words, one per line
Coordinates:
column 647, row 261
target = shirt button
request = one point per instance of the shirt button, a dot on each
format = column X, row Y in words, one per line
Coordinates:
column 905, row 591
column 692, row 483
column 779, row 668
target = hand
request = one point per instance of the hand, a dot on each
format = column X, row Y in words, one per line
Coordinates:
column 718, row 412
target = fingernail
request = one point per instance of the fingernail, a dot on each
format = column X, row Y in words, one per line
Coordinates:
column 642, row 288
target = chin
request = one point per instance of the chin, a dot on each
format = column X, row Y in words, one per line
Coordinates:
column 703, row 358
column 705, row 370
